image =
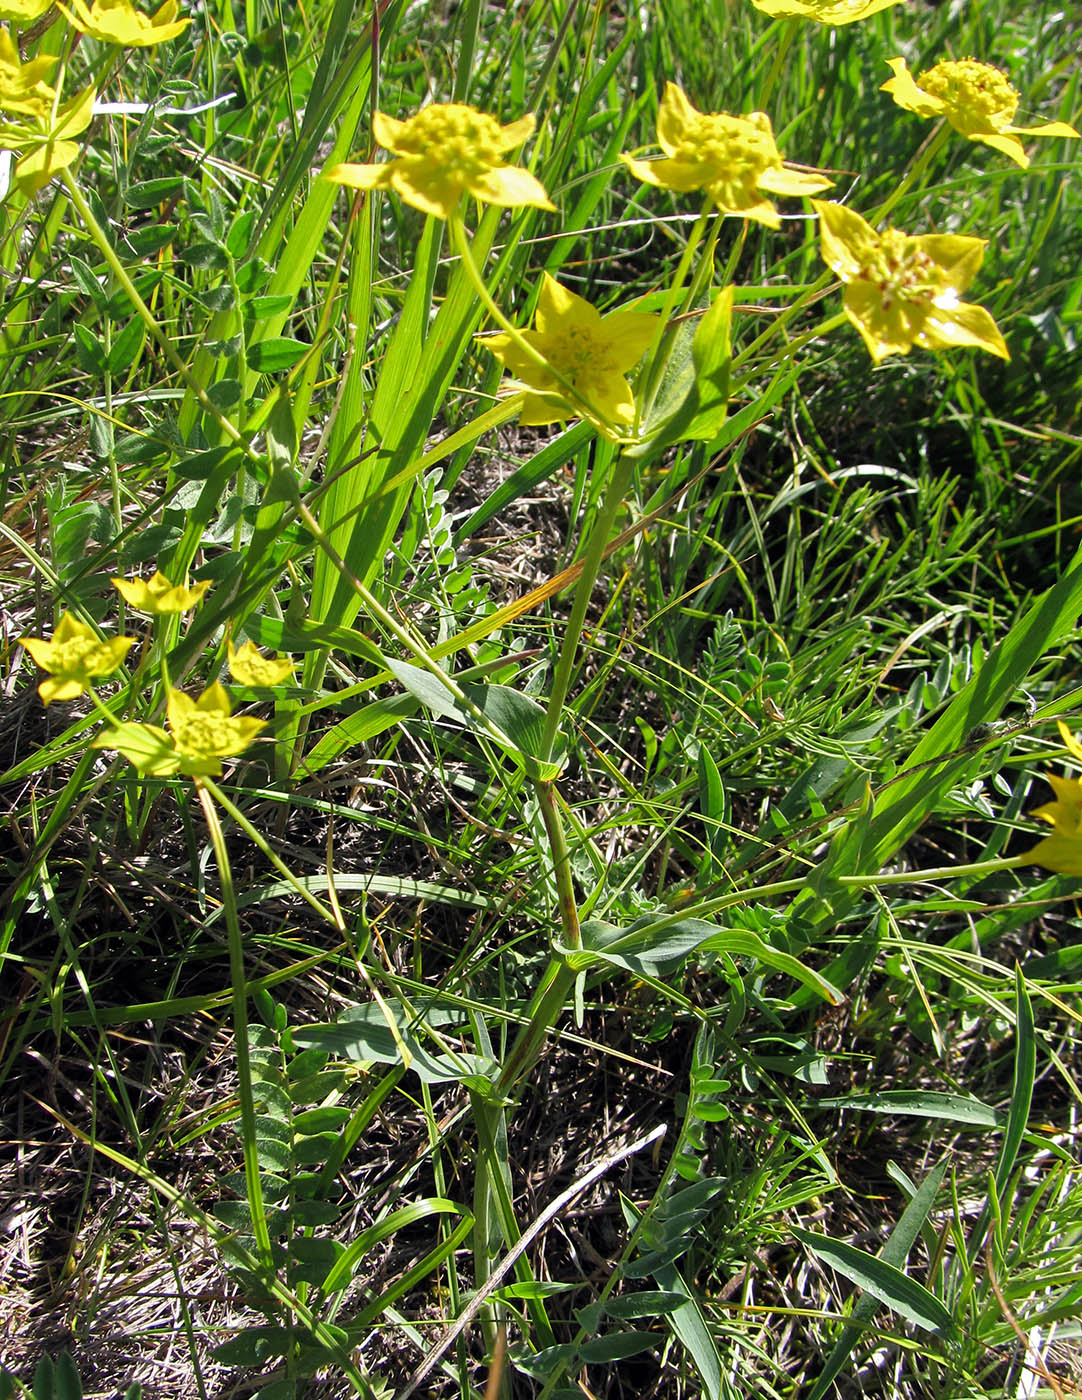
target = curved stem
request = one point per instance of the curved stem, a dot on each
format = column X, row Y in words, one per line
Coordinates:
column 924, row 158
column 656, row 355
column 168, row 349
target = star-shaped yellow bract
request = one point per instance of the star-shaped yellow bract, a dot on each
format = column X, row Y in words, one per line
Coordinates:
column 902, row 291
column 592, row 352
column 157, row 595
column 248, row 666
column 824, row 11
column 1062, row 851
column 733, row 159
column 977, row 99
column 23, row 86
column 443, row 152
column 74, row 657
column 201, row 733
column 45, row 142
column 23, row 11
column 119, row 22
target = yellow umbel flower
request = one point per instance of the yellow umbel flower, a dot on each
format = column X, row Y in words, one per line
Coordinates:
column 23, row 86
column 46, row 141
column 201, row 733
column 23, row 11
column 1062, row 851
column 157, row 595
column 902, row 291
column 825, row 11
column 733, row 159
column 977, row 99
column 74, row 657
column 119, row 22
column 593, row 353
column 249, row 666
column 443, row 152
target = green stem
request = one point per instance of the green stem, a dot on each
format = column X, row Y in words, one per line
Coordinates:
column 792, row 347
column 252, row 1179
column 561, row 864
column 591, row 566
column 924, row 158
column 166, row 346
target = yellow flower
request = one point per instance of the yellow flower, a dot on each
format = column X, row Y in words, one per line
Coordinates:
column 734, row 159
column 902, row 291
column 47, row 142
column 824, row 11
column 249, row 667
column 119, row 22
column 23, row 86
column 74, row 657
column 977, row 99
column 23, row 11
column 201, row 733
column 592, row 352
column 157, row 595
column 1062, row 851
column 443, row 152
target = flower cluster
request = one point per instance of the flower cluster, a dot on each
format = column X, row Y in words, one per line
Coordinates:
column 199, row 733
column 975, row 98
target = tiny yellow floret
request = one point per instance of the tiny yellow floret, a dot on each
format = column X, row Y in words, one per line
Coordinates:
column 443, row 152
column 833, row 12
column 119, row 22
column 248, row 666
column 157, row 595
column 591, row 352
column 74, row 657
column 902, row 291
column 977, row 100
column 734, row 160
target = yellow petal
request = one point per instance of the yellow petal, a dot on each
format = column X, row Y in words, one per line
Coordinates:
column 511, row 187
column 515, row 133
column 1009, row 145
column 632, row 334
column 903, row 88
column 359, row 177
column 425, row 186
column 885, row 331
column 793, row 182
column 388, row 131
column 958, row 256
column 1061, row 854
column 675, row 115
column 555, row 304
column 848, row 241
column 962, row 325
column 1044, row 129
column 1069, row 739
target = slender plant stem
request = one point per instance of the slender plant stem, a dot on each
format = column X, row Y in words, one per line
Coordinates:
column 923, row 160
column 166, row 346
column 561, row 864
column 240, row 1028
column 591, row 565
column 656, row 355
